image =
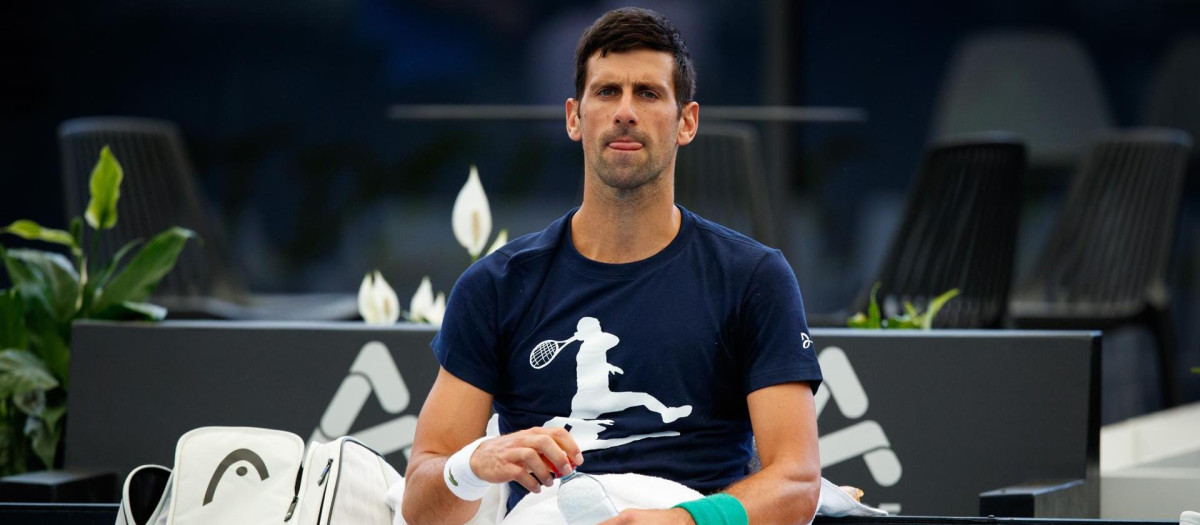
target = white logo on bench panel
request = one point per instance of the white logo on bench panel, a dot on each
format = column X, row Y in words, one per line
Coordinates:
column 864, row 438
column 373, row 371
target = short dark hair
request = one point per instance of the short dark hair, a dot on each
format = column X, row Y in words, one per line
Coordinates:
column 630, row 29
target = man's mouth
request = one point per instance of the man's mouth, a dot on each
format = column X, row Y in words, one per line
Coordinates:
column 625, row 145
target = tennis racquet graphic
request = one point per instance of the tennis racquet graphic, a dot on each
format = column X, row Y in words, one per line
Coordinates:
column 546, row 351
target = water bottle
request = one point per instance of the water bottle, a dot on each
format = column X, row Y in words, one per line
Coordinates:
column 582, row 500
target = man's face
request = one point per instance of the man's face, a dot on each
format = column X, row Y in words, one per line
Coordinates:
column 627, row 118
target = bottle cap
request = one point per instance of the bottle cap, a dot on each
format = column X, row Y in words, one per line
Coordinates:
column 1189, row 517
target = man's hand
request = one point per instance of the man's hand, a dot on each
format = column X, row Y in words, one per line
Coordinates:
column 651, row 517
column 527, row 457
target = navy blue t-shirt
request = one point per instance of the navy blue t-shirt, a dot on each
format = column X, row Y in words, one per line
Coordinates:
column 647, row 364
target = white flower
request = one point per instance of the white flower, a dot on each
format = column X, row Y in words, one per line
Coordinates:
column 472, row 217
column 421, row 302
column 501, row 240
column 424, row 308
column 437, row 311
column 377, row 302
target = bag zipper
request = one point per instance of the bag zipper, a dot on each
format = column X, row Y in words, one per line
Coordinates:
column 296, row 495
column 321, row 481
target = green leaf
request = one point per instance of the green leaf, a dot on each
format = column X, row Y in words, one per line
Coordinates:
column 21, row 372
column 911, row 311
column 873, row 317
column 50, row 340
column 105, row 186
column 44, row 440
column 935, row 306
column 77, row 231
column 858, row 320
column 12, row 320
column 105, row 273
column 54, row 413
column 903, row 322
column 137, row 280
column 46, row 280
column 27, row 229
column 871, row 320
column 130, row 310
column 97, row 282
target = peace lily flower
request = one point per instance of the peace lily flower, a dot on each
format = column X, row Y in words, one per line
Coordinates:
column 472, row 216
column 501, row 240
column 471, row 221
column 424, row 307
column 377, row 302
column 437, row 311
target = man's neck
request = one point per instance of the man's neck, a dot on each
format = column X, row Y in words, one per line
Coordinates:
column 615, row 226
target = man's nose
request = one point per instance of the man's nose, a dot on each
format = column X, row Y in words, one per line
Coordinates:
column 625, row 113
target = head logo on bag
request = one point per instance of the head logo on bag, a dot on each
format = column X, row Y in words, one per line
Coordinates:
column 234, row 476
column 241, row 454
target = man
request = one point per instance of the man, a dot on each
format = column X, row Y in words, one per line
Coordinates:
column 630, row 335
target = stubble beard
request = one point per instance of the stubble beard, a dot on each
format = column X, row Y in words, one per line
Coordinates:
column 627, row 176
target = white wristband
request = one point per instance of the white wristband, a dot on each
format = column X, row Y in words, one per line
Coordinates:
column 459, row 477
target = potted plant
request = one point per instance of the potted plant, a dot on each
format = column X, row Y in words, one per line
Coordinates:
column 912, row 318
column 49, row 291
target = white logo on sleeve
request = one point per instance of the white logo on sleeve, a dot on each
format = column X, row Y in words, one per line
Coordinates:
column 593, row 397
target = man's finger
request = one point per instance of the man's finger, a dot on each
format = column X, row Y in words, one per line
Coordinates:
column 529, row 482
column 553, row 453
column 566, row 442
column 532, row 462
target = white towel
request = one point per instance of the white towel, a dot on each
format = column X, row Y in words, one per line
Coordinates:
column 626, row 491
column 835, row 502
column 394, row 498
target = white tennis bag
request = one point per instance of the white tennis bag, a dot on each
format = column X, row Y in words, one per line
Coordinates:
column 252, row 476
column 344, row 482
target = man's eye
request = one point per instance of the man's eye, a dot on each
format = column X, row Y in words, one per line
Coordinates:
column 606, row 92
column 649, row 94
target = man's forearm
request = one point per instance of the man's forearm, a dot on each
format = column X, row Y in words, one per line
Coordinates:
column 779, row 494
column 427, row 500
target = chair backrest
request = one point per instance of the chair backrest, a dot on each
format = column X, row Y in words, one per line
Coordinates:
column 959, row 231
column 720, row 176
column 1172, row 99
column 1039, row 84
column 158, row 191
column 1108, row 252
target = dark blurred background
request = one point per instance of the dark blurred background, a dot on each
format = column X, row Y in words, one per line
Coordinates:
column 283, row 106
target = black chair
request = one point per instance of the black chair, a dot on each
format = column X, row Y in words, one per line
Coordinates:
column 159, row 191
column 959, row 231
column 1041, row 84
column 1105, row 262
column 720, row 176
column 1171, row 99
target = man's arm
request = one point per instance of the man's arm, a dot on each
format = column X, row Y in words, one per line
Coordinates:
column 786, row 489
column 454, row 415
column 784, row 417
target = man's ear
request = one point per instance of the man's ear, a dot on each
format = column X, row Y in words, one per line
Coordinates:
column 573, row 120
column 689, row 123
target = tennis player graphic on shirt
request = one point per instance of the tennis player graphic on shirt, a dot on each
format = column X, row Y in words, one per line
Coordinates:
column 593, row 397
